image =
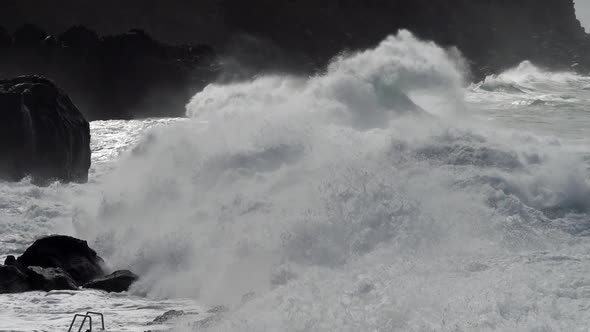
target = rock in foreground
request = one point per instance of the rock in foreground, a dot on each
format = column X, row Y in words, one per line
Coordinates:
column 13, row 280
column 116, row 282
column 67, row 253
column 42, row 133
column 52, row 278
column 60, row 262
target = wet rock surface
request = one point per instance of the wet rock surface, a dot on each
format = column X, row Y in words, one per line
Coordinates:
column 116, row 282
column 60, row 263
column 42, row 133
column 67, row 253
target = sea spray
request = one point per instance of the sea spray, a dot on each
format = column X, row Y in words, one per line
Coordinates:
column 352, row 200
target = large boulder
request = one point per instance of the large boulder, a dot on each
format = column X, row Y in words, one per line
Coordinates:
column 13, row 280
column 52, row 278
column 116, row 282
column 42, row 133
column 67, row 253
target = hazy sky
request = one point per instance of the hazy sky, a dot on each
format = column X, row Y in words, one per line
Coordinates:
column 583, row 12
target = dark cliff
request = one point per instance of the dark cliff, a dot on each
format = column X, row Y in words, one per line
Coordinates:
column 299, row 35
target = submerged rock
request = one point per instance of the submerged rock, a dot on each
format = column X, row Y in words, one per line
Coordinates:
column 67, row 253
column 165, row 317
column 42, row 133
column 116, row 282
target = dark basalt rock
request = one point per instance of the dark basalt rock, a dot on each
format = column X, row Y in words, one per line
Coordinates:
column 10, row 260
column 129, row 75
column 5, row 38
column 67, row 253
column 116, row 282
column 13, row 280
column 52, row 278
column 79, row 37
column 29, row 35
column 42, row 133
column 60, row 263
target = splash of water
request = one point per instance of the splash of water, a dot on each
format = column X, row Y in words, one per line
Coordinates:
column 347, row 200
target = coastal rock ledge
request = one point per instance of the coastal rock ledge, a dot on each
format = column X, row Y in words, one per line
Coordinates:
column 60, row 263
column 42, row 133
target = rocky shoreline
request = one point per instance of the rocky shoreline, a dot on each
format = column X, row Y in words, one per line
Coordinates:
column 133, row 75
column 122, row 76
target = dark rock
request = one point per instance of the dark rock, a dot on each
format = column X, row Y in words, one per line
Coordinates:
column 67, row 253
column 5, row 38
column 10, row 260
column 42, row 133
column 79, row 37
column 29, row 35
column 120, row 76
column 50, row 41
column 49, row 279
column 116, row 282
column 13, row 280
column 165, row 317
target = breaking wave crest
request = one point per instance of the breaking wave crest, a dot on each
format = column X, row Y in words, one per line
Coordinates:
column 344, row 201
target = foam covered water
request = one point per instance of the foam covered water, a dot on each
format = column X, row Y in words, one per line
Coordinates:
column 379, row 195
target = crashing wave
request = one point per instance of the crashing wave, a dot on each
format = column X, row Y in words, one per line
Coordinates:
column 295, row 184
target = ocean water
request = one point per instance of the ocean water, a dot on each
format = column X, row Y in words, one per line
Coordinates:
column 384, row 194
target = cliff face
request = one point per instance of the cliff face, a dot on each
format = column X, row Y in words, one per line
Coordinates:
column 493, row 34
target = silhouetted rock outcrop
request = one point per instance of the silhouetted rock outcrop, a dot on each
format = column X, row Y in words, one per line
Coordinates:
column 79, row 37
column 42, row 133
column 116, row 282
column 60, row 263
column 128, row 75
column 67, row 253
column 29, row 35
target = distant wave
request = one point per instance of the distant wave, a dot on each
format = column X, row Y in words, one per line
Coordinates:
column 531, row 84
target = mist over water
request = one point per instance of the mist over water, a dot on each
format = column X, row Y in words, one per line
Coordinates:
column 372, row 197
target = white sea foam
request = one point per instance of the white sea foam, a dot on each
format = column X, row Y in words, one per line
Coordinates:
column 367, row 198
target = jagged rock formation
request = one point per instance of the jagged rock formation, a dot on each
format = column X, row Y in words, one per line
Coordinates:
column 51, row 278
column 128, row 75
column 42, row 133
column 301, row 35
column 60, row 263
